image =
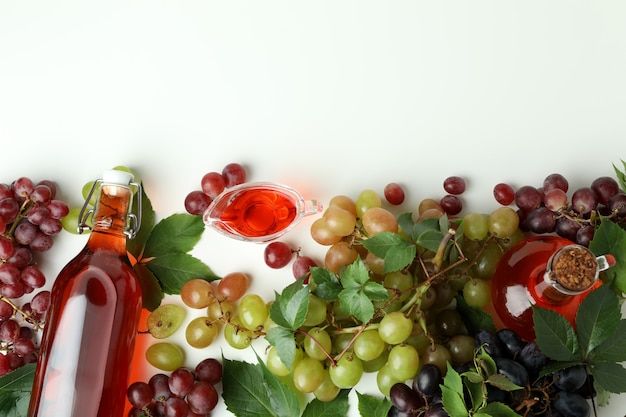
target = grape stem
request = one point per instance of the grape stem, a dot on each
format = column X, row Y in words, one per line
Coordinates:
column 38, row 324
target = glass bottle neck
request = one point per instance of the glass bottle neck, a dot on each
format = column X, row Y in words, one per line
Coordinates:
column 110, row 216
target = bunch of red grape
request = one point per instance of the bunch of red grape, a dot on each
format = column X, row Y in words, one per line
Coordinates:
column 549, row 208
column 183, row 393
column 30, row 216
column 211, row 185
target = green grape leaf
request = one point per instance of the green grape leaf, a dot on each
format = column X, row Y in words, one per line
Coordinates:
column 621, row 176
column 281, row 398
column 135, row 246
column 557, row 366
column 354, row 275
column 151, row 292
column 375, row 291
column 496, row 409
column 176, row 233
column 355, row 302
column 15, row 389
column 337, row 407
column 283, row 340
column 554, row 335
column 453, row 402
column 612, row 349
column 474, row 385
column 371, row 406
column 174, row 269
column 597, row 318
column 327, row 286
column 245, row 396
column 502, row 382
column 610, row 376
column 474, row 318
column 396, row 251
column 290, row 308
column 610, row 238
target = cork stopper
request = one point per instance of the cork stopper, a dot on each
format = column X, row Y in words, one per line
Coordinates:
column 574, row 268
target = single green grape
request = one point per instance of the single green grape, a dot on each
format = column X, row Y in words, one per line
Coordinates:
column 404, row 361
column 201, row 332
column 277, row 366
column 375, row 364
column 399, row 282
column 366, row 200
column 475, row 226
column 165, row 320
column 487, row 261
column 327, row 391
column 503, row 222
column 236, row 335
column 308, row 374
column 70, row 221
column 395, row 328
column 252, row 311
column 347, row 372
column 477, row 293
column 461, row 348
column 369, row 345
column 385, row 379
column 316, row 314
column 317, row 344
column 165, row 356
column 438, row 355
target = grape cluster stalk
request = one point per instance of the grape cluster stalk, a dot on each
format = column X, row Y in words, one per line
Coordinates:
column 30, row 217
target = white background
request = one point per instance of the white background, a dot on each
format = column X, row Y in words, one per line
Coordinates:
column 331, row 97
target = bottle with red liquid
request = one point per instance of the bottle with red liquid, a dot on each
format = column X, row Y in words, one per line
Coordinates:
column 545, row 271
column 89, row 335
column 258, row 211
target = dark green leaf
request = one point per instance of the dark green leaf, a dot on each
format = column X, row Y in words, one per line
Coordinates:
column 135, row 246
column 502, row 382
column 371, row 406
column 610, row 376
column 354, row 275
column 15, row 389
column 486, row 363
column 282, row 400
column 610, row 238
column 396, row 251
column 375, row 291
column 496, row 409
column 453, row 402
column 453, row 380
column 621, row 176
column 335, row 408
column 474, row 386
column 151, row 292
column 406, row 224
column 597, row 318
column 355, row 302
column 176, row 233
column 474, row 318
column 174, row 269
column 328, row 286
column 430, row 240
column 283, row 340
column 554, row 335
column 557, row 366
column 242, row 392
column 290, row 308
column 613, row 349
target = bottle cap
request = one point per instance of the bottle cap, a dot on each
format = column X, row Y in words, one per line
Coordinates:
column 114, row 176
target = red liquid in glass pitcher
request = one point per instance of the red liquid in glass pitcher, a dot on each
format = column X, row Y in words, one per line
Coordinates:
column 258, row 211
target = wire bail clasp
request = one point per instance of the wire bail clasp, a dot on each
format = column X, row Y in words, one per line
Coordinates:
column 133, row 220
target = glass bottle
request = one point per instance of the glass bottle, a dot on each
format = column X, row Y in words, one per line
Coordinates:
column 546, row 271
column 89, row 336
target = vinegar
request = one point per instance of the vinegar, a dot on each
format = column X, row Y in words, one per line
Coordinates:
column 258, row 212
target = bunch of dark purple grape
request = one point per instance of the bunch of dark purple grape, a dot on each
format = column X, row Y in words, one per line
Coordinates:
column 182, row 393
column 549, row 208
column 30, row 216
column 564, row 393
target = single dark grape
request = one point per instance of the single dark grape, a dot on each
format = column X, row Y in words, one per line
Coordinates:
column 567, row 228
column 427, row 380
column 570, row 379
column 202, row 398
column 554, row 181
column 139, row 394
column 511, row 342
column 436, row 410
column 587, row 390
column 180, row 381
column 528, row 198
column 196, row 202
column 277, row 255
column 234, row 174
column 513, row 370
column 504, row 194
column 584, row 235
column 451, row 204
column 584, row 200
column 395, row 412
column 176, row 407
column 160, row 385
column 605, row 188
column 540, row 220
column 488, row 341
column 617, row 204
column 571, row 405
column 404, row 398
column 532, row 358
column 394, row 193
column 209, row 370
column 454, row 185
